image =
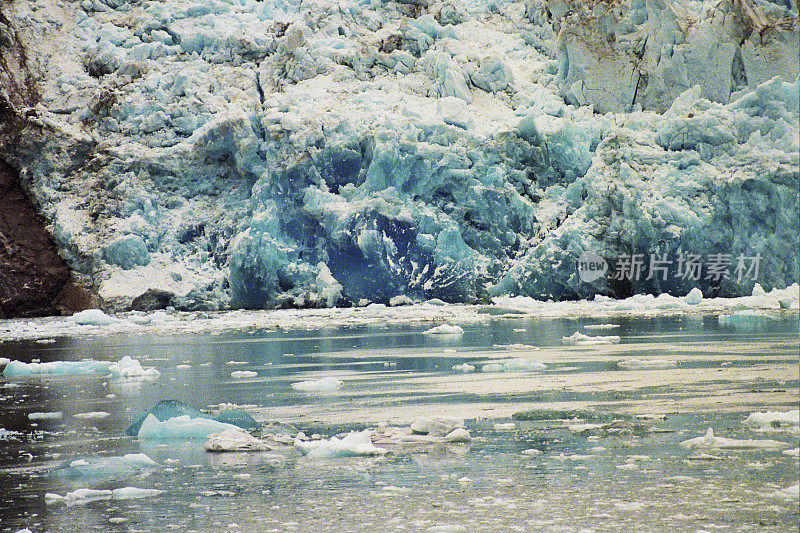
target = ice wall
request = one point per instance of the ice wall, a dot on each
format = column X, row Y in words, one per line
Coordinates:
column 239, row 153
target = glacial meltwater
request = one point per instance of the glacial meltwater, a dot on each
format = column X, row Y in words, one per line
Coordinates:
column 504, row 422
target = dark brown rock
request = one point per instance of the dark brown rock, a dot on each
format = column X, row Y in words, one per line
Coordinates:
column 34, row 280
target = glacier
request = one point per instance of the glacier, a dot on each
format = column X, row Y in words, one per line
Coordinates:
column 286, row 154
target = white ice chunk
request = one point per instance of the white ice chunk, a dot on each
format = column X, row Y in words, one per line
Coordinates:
column 92, row 317
column 126, row 368
column 181, row 427
column 694, row 297
column 84, row 496
column 129, row 368
column 55, row 415
column 318, row 385
column 7, row 434
column 464, row 367
column 445, row 329
column 437, row 426
column 234, row 441
column 92, row 415
column 774, row 421
column 581, row 339
column 243, row 374
column 712, row 441
column 354, row 444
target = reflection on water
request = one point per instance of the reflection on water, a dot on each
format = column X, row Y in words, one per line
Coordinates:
column 631, row 476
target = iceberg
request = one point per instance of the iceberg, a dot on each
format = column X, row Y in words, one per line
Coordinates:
column 166, row 410
column 125, row 368
column 104, row 467
column 357, row 443
column 181, row 427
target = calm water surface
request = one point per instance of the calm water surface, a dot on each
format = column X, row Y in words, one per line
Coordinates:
column 630, row 475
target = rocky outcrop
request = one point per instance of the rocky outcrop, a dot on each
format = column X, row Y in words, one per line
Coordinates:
column 34, row 279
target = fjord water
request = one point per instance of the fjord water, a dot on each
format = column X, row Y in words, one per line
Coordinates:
column 630, row 474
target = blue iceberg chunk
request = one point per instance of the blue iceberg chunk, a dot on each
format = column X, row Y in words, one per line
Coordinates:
column 168, row 409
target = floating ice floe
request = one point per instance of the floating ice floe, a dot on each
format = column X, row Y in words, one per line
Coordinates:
column 130, row 368
column 92, row 415
column 646, row 364
column 243, row 374
column 232, row 440
column 514, row 365
column 794, row 452
column 504, row 426
column 318, row 385
column 84, row 496
column 357, row 443
column 712, row 441
column 104, row 467
column 7, row 434
column 126, row 368
column 53, row 415
column 774, row 421
column 581, row 339
column 464, row 367
column 445, row 329
column 424, row 431
column 181, row 427
column 601, row 326
column 791, row 492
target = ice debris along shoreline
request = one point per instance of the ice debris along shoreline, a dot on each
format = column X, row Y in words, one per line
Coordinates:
column 277, row 154
column 764, row 305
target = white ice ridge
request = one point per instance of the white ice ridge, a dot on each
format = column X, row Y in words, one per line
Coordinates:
column 261, row 154
column 84, row 496
column 768, row 304
column 126, row 368
column 712, row 441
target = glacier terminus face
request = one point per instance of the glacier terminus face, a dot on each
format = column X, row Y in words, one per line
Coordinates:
column 258, row 154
